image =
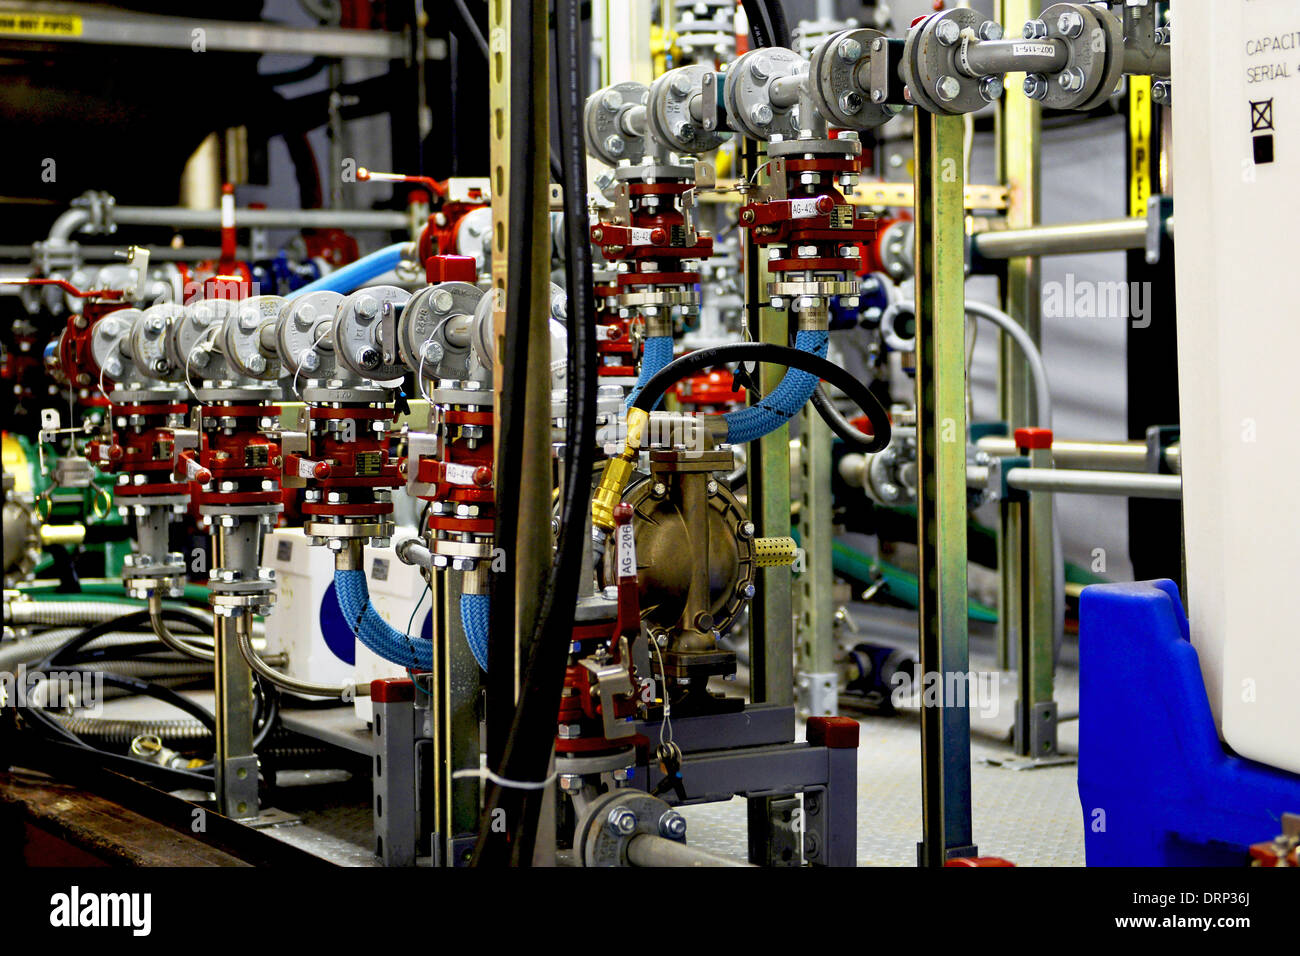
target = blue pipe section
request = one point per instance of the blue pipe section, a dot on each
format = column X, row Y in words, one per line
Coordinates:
column 354, row 276
column 413, row 653
column 475, row 618
column 784, row 402
column 658, row 352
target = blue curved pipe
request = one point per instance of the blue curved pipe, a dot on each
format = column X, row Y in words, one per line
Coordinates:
column 353, row 276
column 476, row 620
column 658, row 352
column 784, row 402
column 413, row 653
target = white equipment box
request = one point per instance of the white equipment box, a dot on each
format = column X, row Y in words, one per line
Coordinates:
column 1236, row 90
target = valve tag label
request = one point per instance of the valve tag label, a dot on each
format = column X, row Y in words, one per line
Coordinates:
column 640, row 237
column 803, row 208
column 1033, row 49
column 306, row 468
column 626, row 551
column 458, row 474
column 192, row 469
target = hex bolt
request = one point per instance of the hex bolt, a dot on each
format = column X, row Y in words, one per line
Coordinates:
column 161, row 366
column 155, row 325
column 746, row 529
column 621, row 821
column 1071, row 80
column 256, row 364
column 1070, row 24
column 681, row 84
column 614, row 145
column 747, row 590
column 443, row 301
column 310, row 360
column 367, row 307
column 948, row 88
column 612, row 100
column 113, row 367
column 686, row 132
column 111, row 327
column 989, row 30
column 947, row 32
column 1035, row 29
column 760, row 68
column 1161, row 92
column 849, row 50
column 991, row 88
column 850, row 102
column 761, row 114
column 248, row 319
column 1035, row 86
column 672, row 825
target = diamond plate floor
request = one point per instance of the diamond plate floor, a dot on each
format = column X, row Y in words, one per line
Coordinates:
column 1029, row 816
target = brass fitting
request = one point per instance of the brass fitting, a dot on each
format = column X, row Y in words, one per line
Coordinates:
column 618, row 471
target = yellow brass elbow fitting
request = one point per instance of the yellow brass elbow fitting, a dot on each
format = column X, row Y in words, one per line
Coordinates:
column 618, row 470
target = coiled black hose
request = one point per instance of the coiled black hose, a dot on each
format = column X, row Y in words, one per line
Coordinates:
column 708, row 358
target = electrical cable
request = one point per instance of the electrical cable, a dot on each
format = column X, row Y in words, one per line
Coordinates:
column 528, row 747
column 779, row 355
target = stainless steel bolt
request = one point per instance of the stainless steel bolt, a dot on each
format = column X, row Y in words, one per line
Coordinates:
column 991, row 88
column 614, row 145
column 947, row 32
column 1035, row 86
column 760, row 68
column 672, row 825
column 248, row 319
column 621, row 821
column 1071, row 80
column 310, row 360
column 1070, row 23
column 850, row 102
column 367, row 307
column 989, row 30
column 681, row 84
column 761, row 114
column 948, row 88
column 1035, row 29
column 612, row 100
column 443, row 300
column 256, row 364
column 849, row 50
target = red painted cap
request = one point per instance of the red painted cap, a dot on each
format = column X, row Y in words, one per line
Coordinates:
column 837, row 733
column 1031, row 438
column 450, row 269
column 979, row 861
column 392, row 690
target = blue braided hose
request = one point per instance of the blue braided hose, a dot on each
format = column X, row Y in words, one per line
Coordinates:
column 658, row 352
column 784, row 402
column 413, row 653
column 353, row 276
column 475, row 618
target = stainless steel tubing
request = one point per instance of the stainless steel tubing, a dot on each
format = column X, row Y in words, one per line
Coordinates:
column 648, row 850
column 1106, row 235
column 1087, row 455
column 181, row 218
column 244, row 640
column 171, row 640
column 1068, row 481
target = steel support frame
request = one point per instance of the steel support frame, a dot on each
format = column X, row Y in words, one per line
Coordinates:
column 941, row 492
column 1025, row 600
column 816, row 680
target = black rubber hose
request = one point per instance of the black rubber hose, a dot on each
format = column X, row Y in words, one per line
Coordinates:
column 532, row 729
column 513, row 360
column 127, row 622
column 780, row 25
column 840, row 425
column 769, row 352
column 760, row 30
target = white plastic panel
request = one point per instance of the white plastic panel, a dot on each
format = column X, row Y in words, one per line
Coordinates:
column 1236, row 106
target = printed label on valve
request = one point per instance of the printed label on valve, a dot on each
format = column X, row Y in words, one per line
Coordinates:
column 803, row 208
column 641, row 237
column 458, row 474
column 626, row 551
column 1033, row 49
column 306, row 469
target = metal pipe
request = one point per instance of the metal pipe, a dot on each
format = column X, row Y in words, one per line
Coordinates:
column 244, row 638
column 1002, row 56
column 648, row 850
column 178, row 217
column 785, row 90
column 171, row 640
column 1087, row 455
column 69, row 223
column 1069, row 481
column 1106, row 235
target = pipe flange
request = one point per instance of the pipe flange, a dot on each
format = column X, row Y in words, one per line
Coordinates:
column 437, row 324
column 609, row 138
column 612, row 820
column 365, row 333
column 303, row 334
column 746, row 93
column 814, row 287
column 930, row 64
column 242, row 337
column 669, row 112
column 149, row 338
column 1095, row 62
column 846, row 148
column 192, row 342
column 110, row 344
column 838, row 65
